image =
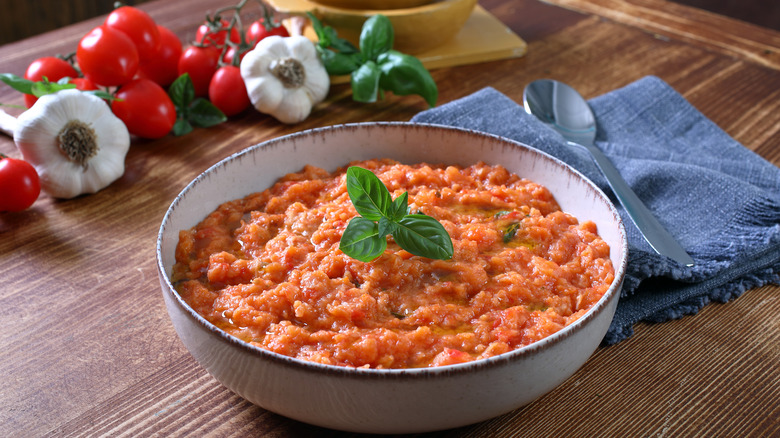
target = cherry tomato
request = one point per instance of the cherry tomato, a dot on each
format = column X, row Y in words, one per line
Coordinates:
column 201, row 63
column 208, row 35
column 163, row 67
column 139, row 26
column 107, row 56
column 230, row 53
column 19, row 184
column 83, row 84
column 50, row 67
column 227, row 90
column 145, row 108
column 257, row 31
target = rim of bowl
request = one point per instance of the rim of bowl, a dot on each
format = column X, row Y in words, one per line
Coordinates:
column 427, row 372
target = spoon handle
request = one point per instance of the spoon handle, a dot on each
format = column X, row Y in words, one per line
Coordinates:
column 652, row 230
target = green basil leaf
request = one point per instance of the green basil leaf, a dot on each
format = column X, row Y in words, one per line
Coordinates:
column 182, row 93
column 424, row 236
column 365, row 82
column 368, row 194
column 319, row 29
column 510, row 231
column 328, row 37
column 361, row 240
column 404, row 74
column 342, row 45
column 376, row 37
column 337, row 63
column 102, row 94
column 181, row 127
column 399, row 208
column 43, row 88
column 204, row 114
column 386, row 226
column 18, row 83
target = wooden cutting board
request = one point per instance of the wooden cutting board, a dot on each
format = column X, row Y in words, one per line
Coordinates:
column 483, row 38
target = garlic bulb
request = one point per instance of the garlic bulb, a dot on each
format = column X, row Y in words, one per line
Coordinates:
column 284, row 77
column 74, row 141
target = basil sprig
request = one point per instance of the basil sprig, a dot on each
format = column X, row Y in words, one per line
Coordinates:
column 365, row 237
column 375, row 67
column 44, row 87
column 191, row 110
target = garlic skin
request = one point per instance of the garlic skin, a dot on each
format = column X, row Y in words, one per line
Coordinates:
column 74, row 141
column 284, row 77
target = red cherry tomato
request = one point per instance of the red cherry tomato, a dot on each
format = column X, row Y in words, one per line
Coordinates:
column 139, row 26
column 209, row 34
column 163, row 67
column 50, row 67
column 227, row 90
column 230, row 53
column 107, row 56
column 201, row 63
column 83, row 84
column 145, row 108
column 19, row 184
column 257, row 31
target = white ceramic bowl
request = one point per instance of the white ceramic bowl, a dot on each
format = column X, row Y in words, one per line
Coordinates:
column 388, row 401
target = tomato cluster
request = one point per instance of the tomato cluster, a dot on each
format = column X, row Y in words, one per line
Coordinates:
column 133, row 53
column 136, row 59
column 212, row 64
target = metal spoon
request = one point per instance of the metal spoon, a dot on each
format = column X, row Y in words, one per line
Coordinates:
column 563, row 109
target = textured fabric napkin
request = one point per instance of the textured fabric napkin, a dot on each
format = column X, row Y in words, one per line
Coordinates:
column 720, row 200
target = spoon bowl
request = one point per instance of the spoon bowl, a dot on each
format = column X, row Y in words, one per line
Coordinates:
column 562, row 108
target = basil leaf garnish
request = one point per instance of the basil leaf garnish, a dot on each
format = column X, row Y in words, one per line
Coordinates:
column 365, row 237
column 361, row 240
column 424, row 236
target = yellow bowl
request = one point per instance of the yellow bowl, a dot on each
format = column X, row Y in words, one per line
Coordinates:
column 417, row 29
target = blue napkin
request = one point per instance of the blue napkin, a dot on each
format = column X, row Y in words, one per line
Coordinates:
column 720, row 200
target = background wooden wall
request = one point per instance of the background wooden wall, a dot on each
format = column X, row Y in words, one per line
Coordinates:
column 23, row 18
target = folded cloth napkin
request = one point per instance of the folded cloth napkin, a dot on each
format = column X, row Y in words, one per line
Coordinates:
column 719, row 199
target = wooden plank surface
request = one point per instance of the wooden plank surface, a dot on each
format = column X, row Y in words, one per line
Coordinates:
column 88, row 349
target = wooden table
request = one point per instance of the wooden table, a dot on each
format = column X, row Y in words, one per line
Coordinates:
column 88, row 349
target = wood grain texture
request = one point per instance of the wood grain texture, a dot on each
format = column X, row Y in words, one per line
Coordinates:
column 88, row 349
column 673, row 20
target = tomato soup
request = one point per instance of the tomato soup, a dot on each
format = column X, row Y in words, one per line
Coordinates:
column 267, row 269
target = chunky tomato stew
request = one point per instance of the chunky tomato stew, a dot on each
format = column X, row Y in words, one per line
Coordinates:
column 267, row 269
